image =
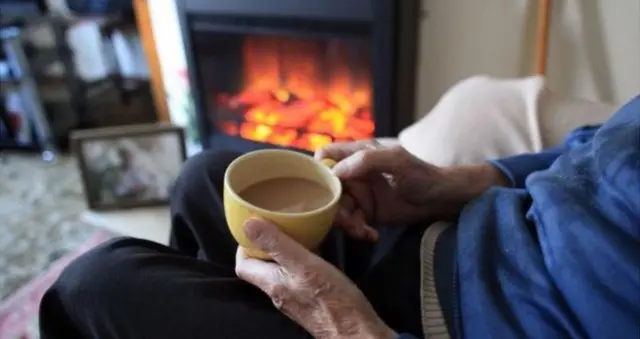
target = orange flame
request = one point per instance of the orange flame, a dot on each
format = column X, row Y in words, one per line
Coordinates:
column 300, row 93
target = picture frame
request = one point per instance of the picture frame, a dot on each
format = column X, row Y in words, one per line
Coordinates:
column 125, row 167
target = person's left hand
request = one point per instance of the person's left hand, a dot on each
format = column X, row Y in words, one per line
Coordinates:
column 306, row 288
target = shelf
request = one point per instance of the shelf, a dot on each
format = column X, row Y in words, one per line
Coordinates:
column 42, row 58
column 70, row 101
column 7, row 86
column 12, row 145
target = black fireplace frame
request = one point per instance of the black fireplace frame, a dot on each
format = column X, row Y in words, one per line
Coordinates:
column 393, row 28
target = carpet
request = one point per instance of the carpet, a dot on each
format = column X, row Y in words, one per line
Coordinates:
column 41, row 230
column 41, row 206
column 19, row 312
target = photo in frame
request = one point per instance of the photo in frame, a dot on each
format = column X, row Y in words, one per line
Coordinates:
column 129, row 166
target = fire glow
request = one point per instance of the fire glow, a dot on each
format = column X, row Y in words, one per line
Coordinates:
column 299, row 93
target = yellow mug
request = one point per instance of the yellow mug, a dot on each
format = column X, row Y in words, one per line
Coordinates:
column 308, row 228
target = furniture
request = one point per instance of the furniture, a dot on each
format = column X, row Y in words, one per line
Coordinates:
column 508, row 116
column 542, row 40
column 22, row 79
column 21, row 7
column 71, row 90
column 145, row 29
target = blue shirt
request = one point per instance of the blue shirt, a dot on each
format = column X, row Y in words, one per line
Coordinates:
column 558, row 255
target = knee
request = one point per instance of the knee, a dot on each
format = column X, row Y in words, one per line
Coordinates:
column 208, row 162
column 207, row 166
column 97, row 276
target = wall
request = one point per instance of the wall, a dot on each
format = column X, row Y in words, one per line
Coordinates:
column 173, row 65
column 594, row 46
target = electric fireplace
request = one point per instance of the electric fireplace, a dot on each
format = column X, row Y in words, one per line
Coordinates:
column 299, row 74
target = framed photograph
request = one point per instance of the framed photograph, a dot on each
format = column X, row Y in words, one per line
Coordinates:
column 129, row 166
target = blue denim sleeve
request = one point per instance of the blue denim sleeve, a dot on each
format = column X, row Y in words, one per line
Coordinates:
column 518, row 167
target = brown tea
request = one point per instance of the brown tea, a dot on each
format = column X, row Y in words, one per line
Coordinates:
column 289, row 195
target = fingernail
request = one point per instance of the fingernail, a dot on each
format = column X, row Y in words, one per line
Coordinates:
column 360, row 233
column 343, row 214
column 373, row 234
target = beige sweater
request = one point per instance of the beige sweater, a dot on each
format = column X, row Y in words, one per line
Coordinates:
column 433, row 323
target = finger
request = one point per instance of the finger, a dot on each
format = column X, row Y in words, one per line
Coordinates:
column 370, row 161
column 347, row 202
column 361, row 194
column 355, row 225
column 372, row 234
column 281, row 248
column 262, row 274
column 345, row 221
column 368, row 233
column 340, row 150
column 341, row 217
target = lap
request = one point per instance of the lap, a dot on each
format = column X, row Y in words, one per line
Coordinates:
column 136, row 288
column 193, row 286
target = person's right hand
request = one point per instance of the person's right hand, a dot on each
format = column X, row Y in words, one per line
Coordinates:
column 390, row 186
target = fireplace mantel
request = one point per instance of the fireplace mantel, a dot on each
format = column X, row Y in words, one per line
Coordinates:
column 361, row 10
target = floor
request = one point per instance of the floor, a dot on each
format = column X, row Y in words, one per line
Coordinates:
column 43, row 217
column 41, row 206
column 145, row 223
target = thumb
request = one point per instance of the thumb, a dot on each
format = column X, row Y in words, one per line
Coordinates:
column 370, row 161
column 267, row 237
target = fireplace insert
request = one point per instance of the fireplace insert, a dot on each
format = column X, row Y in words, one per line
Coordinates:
column 300, row 74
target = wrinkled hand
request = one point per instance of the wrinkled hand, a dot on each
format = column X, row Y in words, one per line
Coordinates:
column 306, row 288
column 390, row 186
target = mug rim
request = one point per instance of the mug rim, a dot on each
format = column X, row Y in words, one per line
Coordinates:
column 305, row 157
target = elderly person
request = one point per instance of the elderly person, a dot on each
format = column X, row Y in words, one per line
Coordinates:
column 534, row 245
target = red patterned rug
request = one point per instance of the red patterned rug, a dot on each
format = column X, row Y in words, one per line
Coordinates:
column 19, row 312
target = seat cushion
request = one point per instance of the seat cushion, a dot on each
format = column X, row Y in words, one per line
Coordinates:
column 484, row 117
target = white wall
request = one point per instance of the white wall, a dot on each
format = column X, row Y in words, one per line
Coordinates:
column 173, row 64
column 594, row 46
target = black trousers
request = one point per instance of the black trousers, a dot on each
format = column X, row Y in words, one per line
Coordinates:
column 132, row 288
